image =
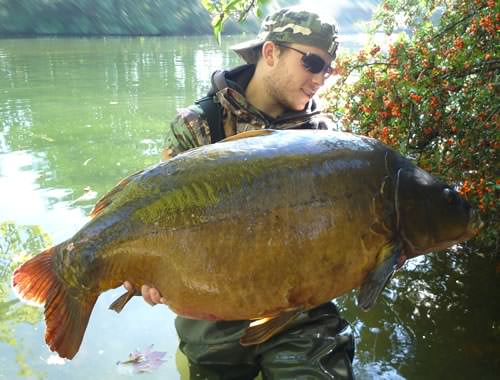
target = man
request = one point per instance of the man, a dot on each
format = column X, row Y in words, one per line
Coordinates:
column 287, row 64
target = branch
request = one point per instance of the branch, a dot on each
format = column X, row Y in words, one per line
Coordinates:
column 490, row 115
column 373, row 64
column 449, row 27
column 495, row 66
column 245, row 12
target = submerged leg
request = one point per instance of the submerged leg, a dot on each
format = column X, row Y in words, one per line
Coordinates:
column 214, row 351
column 319, row 345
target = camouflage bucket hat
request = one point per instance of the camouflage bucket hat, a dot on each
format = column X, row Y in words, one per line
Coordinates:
column 291, row 26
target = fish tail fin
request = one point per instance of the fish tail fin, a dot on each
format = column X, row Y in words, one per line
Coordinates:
column 66, row 316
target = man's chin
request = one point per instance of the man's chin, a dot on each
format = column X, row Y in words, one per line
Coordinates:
column 298, row 106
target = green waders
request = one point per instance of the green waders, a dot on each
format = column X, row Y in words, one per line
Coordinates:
column 319, row 345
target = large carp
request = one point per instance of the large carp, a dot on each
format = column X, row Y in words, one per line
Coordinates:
column 260, row 227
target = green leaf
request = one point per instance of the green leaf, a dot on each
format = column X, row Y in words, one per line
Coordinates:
column 217, row 24
column 233, row 5
column 258, row 7
column 208, row 5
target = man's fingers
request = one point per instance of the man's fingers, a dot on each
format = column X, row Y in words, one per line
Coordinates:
column 155, row 296
column 145, row 291
column 128, row 286
column 151, row 295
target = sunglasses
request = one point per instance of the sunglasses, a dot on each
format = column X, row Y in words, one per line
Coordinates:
column 312, row 62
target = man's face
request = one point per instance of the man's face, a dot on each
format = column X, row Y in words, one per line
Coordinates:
column 289, row 82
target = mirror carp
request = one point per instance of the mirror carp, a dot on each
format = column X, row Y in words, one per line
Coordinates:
column 261, row 226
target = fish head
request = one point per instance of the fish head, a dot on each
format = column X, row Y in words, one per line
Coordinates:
column 431, row 214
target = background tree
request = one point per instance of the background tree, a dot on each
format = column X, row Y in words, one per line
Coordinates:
column 108, row 17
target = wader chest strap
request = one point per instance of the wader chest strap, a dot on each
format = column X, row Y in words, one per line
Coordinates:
column 213, row 112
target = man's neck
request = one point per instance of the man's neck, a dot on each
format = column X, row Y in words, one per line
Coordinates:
column 259, row 97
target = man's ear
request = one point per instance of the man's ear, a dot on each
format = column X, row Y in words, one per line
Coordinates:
column 270, row 52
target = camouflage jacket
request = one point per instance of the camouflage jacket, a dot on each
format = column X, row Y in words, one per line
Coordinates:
column 190, row 128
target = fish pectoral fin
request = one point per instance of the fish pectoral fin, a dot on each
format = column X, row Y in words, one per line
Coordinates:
column 121, row 301
column 377, row 279
column 264, row 329
column 247, row 134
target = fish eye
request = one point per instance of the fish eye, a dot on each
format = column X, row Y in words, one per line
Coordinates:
column 450, row 195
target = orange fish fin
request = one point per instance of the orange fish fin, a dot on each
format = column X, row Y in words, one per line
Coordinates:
column 107, row 199
column 33, row 280
column 264, row 329
column 121, row 301
column 66, row 317
column 247, row 134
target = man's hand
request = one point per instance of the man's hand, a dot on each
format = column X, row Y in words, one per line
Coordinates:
column 151, row 295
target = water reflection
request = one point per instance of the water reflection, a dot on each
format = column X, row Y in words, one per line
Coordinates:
column 70, row 98
column 435, row 320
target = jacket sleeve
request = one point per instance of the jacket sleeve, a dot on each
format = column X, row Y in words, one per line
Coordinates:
column 188, row 130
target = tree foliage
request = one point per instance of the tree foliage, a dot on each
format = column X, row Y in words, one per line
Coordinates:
column 106, row 17
column 433, row 94
column 223, row 10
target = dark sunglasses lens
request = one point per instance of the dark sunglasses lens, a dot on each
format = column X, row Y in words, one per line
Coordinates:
column 313, row 63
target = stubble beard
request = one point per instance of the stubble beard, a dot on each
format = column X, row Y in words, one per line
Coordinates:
column 275, row 86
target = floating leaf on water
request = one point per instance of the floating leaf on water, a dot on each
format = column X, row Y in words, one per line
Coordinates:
column 43, row 137
column 145, row 361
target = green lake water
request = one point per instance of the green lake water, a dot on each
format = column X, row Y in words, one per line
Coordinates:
column 77, row 115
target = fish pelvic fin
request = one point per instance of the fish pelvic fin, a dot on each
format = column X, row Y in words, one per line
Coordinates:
column 121, row 301
column 261, row 330
column 377, row 279
column 66, row 317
